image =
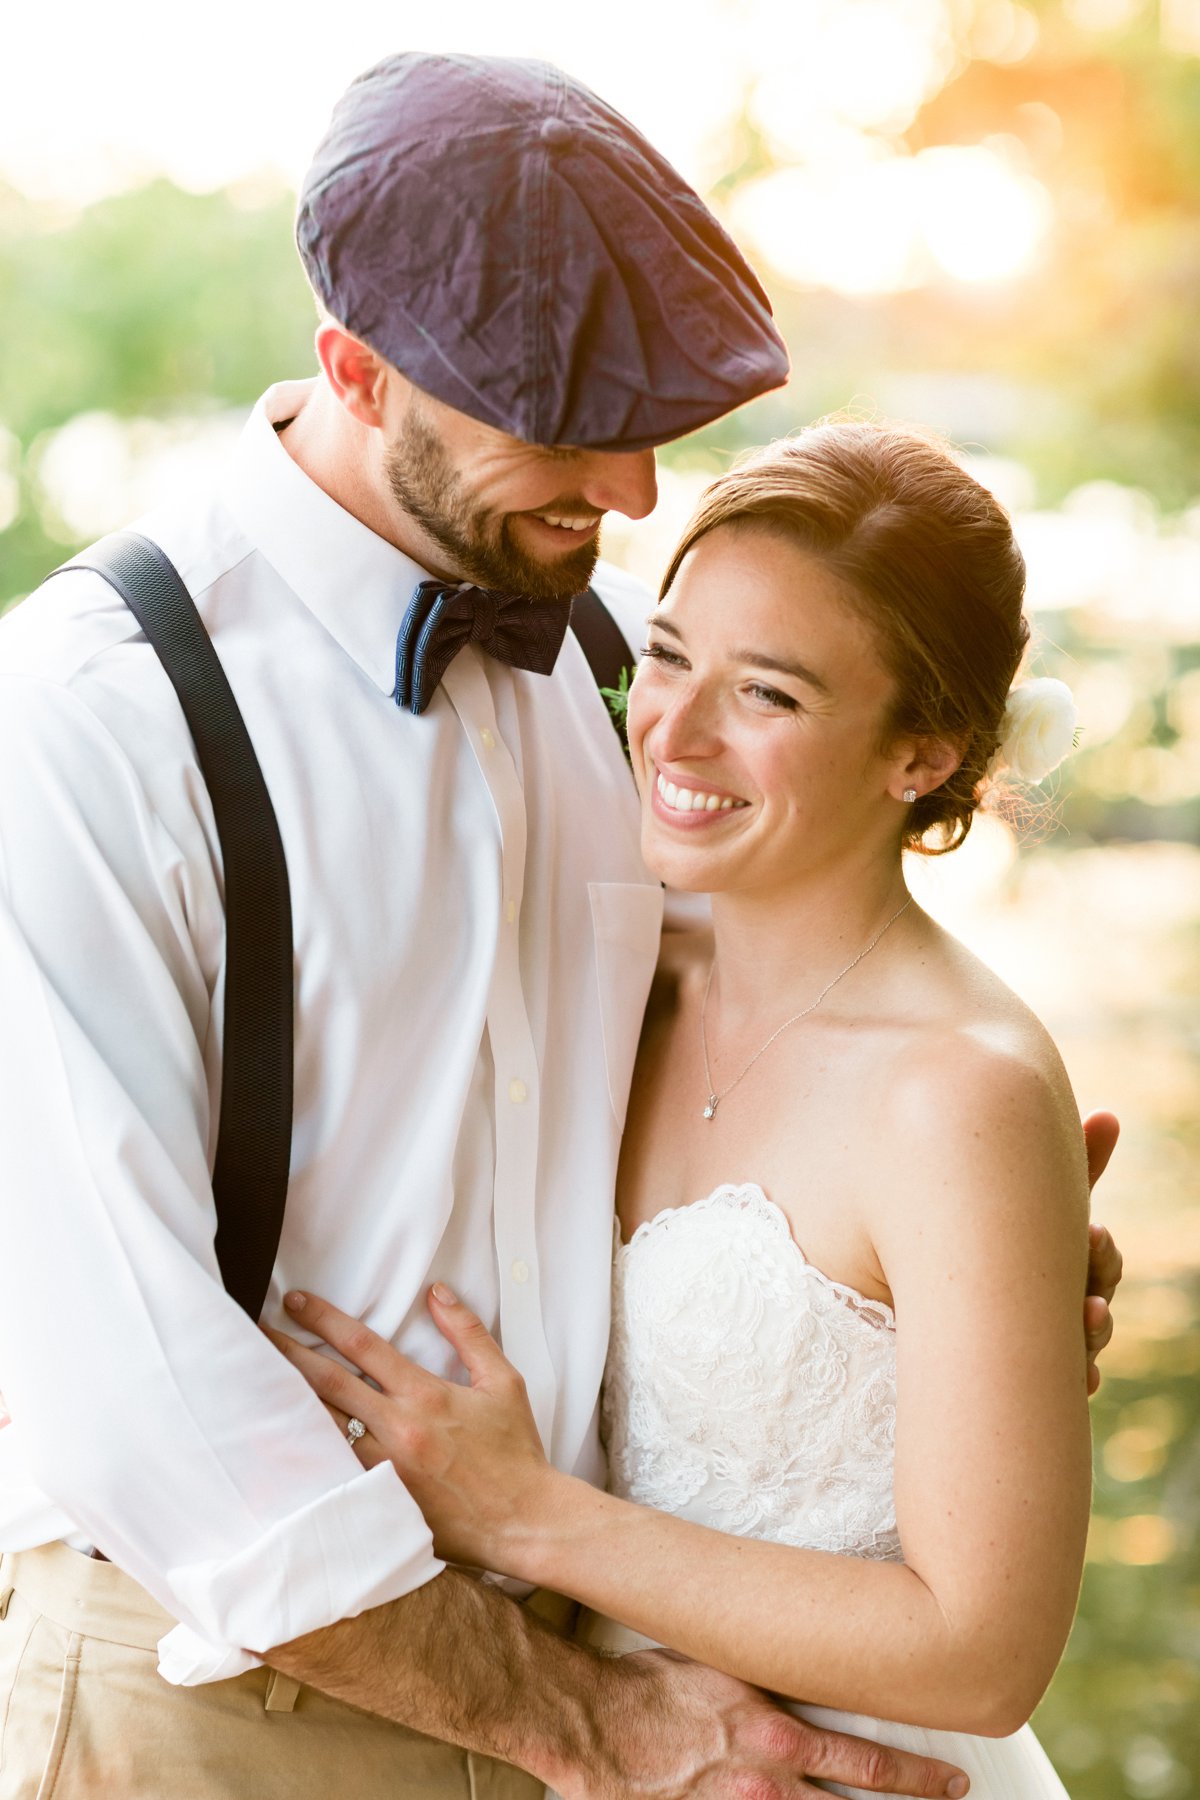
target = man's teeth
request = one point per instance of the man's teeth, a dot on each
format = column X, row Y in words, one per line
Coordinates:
column 691, row 799
column 566, row 524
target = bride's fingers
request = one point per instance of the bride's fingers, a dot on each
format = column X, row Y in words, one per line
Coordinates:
column 336, row 1385
column 385, row 1365
column 477, row 1348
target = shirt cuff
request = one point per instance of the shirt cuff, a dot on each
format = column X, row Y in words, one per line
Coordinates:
column 355, row 1547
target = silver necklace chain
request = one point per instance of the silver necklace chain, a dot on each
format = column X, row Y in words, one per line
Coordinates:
column 715, row 1099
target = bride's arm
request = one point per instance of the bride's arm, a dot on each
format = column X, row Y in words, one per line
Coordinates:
column 983, row 1239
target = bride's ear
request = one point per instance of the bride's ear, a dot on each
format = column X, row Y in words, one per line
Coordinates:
column 920, row 765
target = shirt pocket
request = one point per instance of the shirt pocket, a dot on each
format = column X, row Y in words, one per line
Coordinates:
column 627, row 923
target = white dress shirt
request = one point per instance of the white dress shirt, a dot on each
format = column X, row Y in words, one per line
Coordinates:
column 475, row 934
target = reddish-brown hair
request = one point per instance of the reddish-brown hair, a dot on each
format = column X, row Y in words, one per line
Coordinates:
column 926, row 556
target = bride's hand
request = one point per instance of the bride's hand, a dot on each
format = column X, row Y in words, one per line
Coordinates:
column 470, row 1456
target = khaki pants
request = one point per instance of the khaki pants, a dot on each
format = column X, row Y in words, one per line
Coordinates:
column 84, row 1714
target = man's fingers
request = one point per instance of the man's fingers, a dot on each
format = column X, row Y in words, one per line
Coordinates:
column 353, row 1340
column 1097, row 1323
column 855, row 1762
column 478, row 1350
column 1105, row 1262
column 1100, row 1131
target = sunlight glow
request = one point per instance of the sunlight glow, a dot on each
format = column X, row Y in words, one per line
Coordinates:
column 1180, row 25
column 852, row 230
column 1003, row 32
column 982, row 218
column 260, row 82
column 1104, row 15
column 865, row 63
column 891, row 221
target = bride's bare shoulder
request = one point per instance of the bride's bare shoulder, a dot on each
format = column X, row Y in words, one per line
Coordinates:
column 982, row 1054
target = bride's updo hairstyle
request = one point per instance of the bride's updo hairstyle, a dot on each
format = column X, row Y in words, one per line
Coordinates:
column 926, row 556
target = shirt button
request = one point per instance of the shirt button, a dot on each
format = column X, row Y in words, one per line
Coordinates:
column 487, row 738
column 510, row 911
column 518, row 1093
column 520, row 1271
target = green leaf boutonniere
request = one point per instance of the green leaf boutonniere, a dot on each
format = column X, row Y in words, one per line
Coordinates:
column 617, row 701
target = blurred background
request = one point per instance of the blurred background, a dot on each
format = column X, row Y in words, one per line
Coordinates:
column 983, row 215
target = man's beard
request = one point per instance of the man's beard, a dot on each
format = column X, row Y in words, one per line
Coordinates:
column 478, row 544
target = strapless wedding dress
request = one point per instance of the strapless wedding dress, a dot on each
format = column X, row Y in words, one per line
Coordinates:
column 747, row 1391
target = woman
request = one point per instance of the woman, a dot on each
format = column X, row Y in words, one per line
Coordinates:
column 846, row 1402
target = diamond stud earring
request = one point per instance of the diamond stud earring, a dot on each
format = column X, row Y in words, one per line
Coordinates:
column 910, row 795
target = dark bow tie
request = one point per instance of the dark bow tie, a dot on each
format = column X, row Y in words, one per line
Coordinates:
column 444, row 615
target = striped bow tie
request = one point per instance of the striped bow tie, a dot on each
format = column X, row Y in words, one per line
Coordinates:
column 444, row 615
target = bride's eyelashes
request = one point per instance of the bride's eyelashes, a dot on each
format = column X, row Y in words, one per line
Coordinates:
column 659, row 653
column 773, row 697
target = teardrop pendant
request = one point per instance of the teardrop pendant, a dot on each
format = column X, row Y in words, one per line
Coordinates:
column 711, row 1108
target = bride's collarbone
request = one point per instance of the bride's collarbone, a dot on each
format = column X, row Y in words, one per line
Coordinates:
column 817, row 1174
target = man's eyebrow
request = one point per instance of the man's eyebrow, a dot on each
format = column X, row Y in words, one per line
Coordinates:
column 756, row 658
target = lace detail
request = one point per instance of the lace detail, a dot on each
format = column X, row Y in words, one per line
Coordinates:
column 745, row 1388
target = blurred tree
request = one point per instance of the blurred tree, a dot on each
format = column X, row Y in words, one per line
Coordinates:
column 152, row 302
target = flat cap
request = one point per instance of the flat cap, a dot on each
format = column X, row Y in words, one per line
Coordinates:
column 518, row 250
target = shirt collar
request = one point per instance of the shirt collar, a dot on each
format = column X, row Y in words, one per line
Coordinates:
column 355, row 582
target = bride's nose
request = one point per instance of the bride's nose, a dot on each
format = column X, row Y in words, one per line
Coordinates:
column 688, row 725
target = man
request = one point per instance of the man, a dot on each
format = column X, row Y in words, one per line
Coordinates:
column 520, row 299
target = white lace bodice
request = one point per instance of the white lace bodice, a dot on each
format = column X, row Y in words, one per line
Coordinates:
column 745, row 1389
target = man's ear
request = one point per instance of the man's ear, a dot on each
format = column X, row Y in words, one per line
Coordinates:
column 357, row 375
column 922, row 764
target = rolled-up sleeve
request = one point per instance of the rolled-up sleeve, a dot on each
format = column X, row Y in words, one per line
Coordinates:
column 146, row 1406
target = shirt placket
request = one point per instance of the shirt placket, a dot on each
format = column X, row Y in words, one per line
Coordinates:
column 517, row 1085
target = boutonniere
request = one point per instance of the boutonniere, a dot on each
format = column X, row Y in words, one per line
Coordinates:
column 617, row 701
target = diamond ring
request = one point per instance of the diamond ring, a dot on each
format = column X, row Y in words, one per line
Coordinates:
column 354, row 1430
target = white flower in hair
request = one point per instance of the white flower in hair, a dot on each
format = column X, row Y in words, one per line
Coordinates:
column 1039, row 727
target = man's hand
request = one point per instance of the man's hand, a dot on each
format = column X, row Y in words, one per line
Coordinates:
column 703, row 1734
column 1100, row 1131
column 460, row 1661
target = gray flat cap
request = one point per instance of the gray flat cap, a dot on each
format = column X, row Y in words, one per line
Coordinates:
column 520, row 252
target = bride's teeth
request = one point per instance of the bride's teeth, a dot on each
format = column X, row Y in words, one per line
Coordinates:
column 685, row 800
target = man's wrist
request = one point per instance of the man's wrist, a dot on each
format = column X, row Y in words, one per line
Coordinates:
column 459, row 1661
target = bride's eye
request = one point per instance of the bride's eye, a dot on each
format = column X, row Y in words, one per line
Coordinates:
column 660, row 653
column 773, row 697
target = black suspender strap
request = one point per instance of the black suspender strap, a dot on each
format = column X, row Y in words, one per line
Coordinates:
column 255, row 1131
column 603, row 643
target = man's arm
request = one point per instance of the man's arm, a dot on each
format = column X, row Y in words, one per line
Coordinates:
column 148, row 1412
column 460, row 1661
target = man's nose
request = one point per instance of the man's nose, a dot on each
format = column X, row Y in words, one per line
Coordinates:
column 624, row 481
